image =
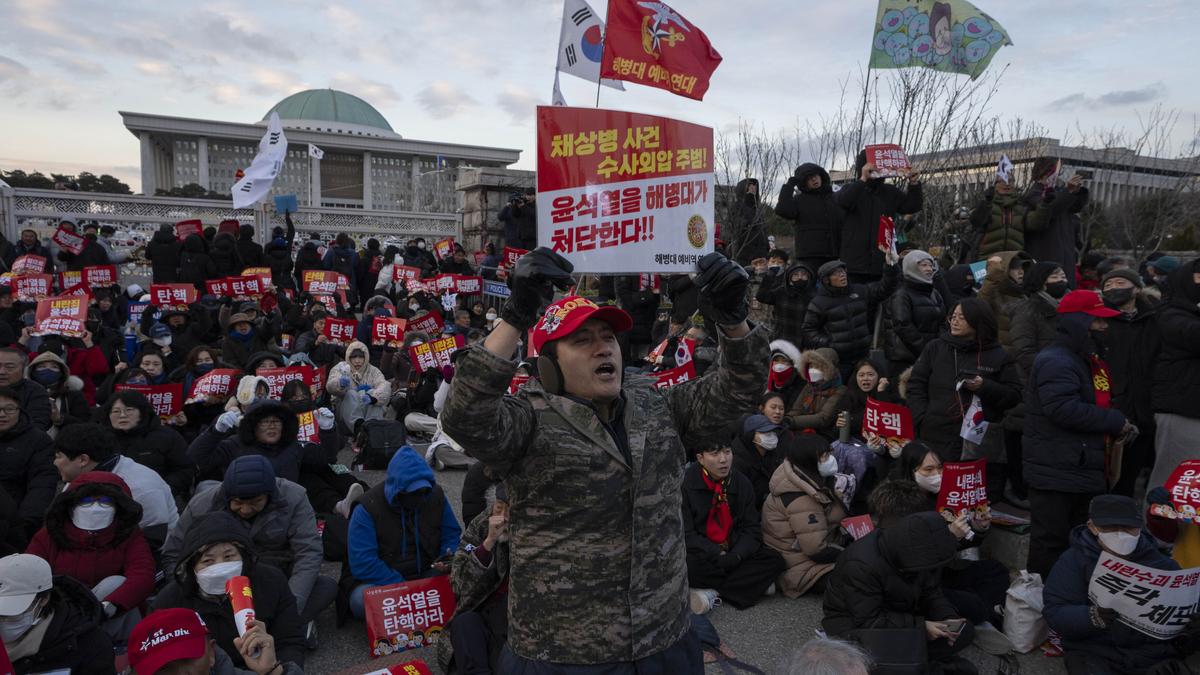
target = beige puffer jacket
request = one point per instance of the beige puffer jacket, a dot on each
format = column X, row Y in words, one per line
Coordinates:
column 797, row 519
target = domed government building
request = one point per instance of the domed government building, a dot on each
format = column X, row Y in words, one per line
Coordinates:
column 366, row 163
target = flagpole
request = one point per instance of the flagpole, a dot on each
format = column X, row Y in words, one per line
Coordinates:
column 862, row 118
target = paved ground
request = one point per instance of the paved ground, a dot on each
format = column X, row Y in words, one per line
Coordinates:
column 761, row 636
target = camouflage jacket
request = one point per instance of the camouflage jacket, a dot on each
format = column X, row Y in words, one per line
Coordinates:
column 472, row 583
column 598, row 567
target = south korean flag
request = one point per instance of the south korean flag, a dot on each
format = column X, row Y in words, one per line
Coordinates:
column 581, row 43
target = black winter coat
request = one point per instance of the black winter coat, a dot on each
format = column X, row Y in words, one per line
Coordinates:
column 864, row 203
column 278, row 256
column 1132, row 344
column 913, row 317
column 195, row 265
column 163, row 252
column 154, row 446
column 818, row 218
column 641, row 304
column 91, row 255
column 891, row 578
column 746, row 224
column 755, row 466
column 74, row 641
column 745, row 537
column 520, row 225
column 790, row 302
column 212, row 451
column 224, row 253
column 27, row 471
column 1064, row 428
column 1033, row 328
column 843, row 318
column 308, row 258
column 250, row 251
column 1177, row 373
column 35, row 403
column 1058, row 240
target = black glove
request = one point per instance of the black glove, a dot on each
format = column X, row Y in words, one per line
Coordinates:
column 532, row 281
column 826, row 555
column 728, row 561
column 722, row 284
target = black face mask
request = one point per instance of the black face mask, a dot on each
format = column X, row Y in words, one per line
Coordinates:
column 92, row 326
column 301, row 406
column 1117, row 297
column 412, row 500
column 1056, row 289
column 749, row 199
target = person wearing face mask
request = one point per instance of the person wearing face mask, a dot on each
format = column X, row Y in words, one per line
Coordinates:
column 49, row 623
column 784, row 379
column 807, row 198
column 1176, row 397
column 815, row 410
column 802, row 515
column 403, row 528
column 757, row 452
column 1003, row 216
column 1094, row 641
column 68, row 405
column 864, row 200
column 744, row 219
column 839, row 316
column 1160, row 271
column 489, row 319
column 203, row 411
column 789, row 294
column 214, row 551
column 915, row 313
column 1004, row 288
column 1034, row 319
column 1068, row 405
column 243, row 339
column 359, row 389
column 92, row 535
column 726, row 558
column 185, row 330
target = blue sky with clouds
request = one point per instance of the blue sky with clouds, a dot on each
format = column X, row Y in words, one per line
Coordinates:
column 471, row 71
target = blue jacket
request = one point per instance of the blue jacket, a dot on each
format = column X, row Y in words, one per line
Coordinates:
column 407, row 472
column 1067, row 606
column 1064, row 428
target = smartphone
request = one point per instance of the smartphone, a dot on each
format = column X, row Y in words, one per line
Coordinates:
column 1086, row 174
column 955, row 626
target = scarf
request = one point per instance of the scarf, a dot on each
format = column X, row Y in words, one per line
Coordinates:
column 720, row 519
column 777, row 381
column 1101, row 381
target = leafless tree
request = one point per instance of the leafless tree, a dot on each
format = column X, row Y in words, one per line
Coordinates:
column 748, row 151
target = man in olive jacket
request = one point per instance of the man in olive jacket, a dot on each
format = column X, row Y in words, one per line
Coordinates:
column 593, row 463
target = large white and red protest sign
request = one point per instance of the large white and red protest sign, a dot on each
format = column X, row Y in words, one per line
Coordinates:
column 340, row 331
column 461, row 284
column 889, row 159
column 307, row 432
column 166, row 399
column 512, row 255
column 858, row 526
column 100, row 275
column 265, row 278
column 1158, row 603
column 1184, row 487
column 185, row 227
column 430, row 324
column 405, row 273
column 173, row 296
column 444, row 248
column 653, row 45
column 623, row 192
column 388, row 331
column 964, row 488
column 61, row 316
column 69, row 278
column 435, row 354
column 278, row 377
column 444, row 283
column 31, row 287
column 29, row 264
column 676, row 375
column 68, row 241
column 889, row 424
column 408, row 615
column 320, row 282
column 219, row 382
column 478, row 257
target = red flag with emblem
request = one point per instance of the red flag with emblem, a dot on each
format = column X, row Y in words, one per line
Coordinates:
column 651, row 44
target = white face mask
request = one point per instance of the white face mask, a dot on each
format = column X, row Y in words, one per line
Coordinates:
column 93, row 517
column 397, row 259
column 490, row 316
column 163, row 341
column 212, row 579
column 1121, row 543
column 895, row 450
column 815, row 375
column 828, row 466
column 412, row 307
column 780, row 367
column 929, row 483
column 13, row 627
column 421, row 245
column 768, row 440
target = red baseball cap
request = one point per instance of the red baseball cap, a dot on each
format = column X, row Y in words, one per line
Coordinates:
column 165, row 636
column 566, row 315
column 1088, row 302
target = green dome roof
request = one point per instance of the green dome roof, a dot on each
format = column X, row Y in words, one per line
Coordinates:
column 329, row 105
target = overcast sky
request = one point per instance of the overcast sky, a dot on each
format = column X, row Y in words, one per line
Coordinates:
column 471, row 71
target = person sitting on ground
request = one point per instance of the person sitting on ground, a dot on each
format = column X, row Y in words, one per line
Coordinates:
column 815, row 410
column 1095, row 641
column 26, row 471
column 757, row 452
column 359, row 389
column 50, row 623
column 403, row 528
column 242, row 339
column 268, row 428
column 802, row 516
column 726, row 559
column 176, row 642
column 216, row 550
column 276, row 517
column 140, row 436
column 68, row 405
column 824, row 656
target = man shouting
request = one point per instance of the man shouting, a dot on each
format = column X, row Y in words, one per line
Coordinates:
column 593, row 459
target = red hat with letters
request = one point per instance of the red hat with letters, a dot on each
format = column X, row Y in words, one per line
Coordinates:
column 1088, row 302
column 165, row 636
column 563, row 317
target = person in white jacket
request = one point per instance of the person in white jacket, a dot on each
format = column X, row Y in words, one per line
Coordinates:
column 359, row 389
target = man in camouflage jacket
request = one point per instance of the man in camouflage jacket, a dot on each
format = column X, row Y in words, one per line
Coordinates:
column 593, row 464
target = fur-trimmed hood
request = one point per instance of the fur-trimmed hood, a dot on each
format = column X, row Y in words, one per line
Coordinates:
column 824, row 359
column 73, row 383
column 787, row 349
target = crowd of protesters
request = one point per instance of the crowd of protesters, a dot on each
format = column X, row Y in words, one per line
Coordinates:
column 635, row 509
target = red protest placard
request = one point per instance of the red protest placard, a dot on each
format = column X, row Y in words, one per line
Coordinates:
column 245, row 288
column 417, row 667
column 79, row 289
column 217, row 287
column 885, row 238
column 889, row 159
column 100, row 275
column 479, row 257
column 278, row 377
column 320, row 281
column 308, row 431
column 408, row 615
column 166, row 399
column 468, row 285
column 858, row 526
column 31, row 287
column 68, row 241
column 444, row 248
column 265, row 279
column 61, row 316
column 219, row 382
column 1184, row 487
column 340, row 331
column 624, row 192
column 444, row 283
column 518, row 382
column 435, row 354
column 172, row 295
column 512, row 255
column 887, row 423
column 29, row 264
column 676, row 375
column 185, row 227
column 69, row 278
column 388, row 330
column 963, row 487
column 405, row 273
column 430, row 324
column 651, row 44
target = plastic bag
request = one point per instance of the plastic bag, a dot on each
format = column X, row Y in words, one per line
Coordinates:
column 1023, row 622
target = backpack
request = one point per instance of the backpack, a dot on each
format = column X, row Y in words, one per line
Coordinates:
column 375, row 266
column 378, row 440
column 342, row 262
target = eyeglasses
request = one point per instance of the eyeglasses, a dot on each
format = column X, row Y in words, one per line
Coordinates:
column 272, row 422
column 87, row 501
column 9, row 410
column 123, row 412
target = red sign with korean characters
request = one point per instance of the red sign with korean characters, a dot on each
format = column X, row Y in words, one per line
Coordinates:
column 887, row 424
column 320, row 282
column 340, row 331
column 444, row 248
column 405, row 273
column 173, row 296
column 219, row 383
column 889, row 160
column 435, row 354
column 430, row 324
column 278, row 377
column 676, row 375
column 166, row 399
column 68, row 241
column 964, row 488
column 408, row 615
column 185, row 227
column 245, row 288
column 29, row 264
column 61, row 316
column 100, row 275
column 1184, row 487
column 388, row 331
column 31, row 287
column 307, row 432
column 623, row 192
column 653, row 45
column 512, row 255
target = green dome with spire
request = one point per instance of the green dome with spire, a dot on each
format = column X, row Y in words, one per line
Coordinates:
column 330, row 110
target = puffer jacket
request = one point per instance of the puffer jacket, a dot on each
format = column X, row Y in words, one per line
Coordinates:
column 789, row 300
column 1002, row 221
column 817, row 229
column 817, row 406
column 27, row 470
column 153, row 445
column 843, row 318
column 756, row 465
column 1032, row 329
column 277, row 255
column 74, row 642
column 863, row 204
column 250, row 251
column 377, row 385
column 746, row 223
column 1177, row 373
column 66, row 397
column 195, row 265
column 163, row 252
column 914, row 316
column 1002, row 293
column 224, row 252
column 89, row 557
column 798, row 520
column 212, row 451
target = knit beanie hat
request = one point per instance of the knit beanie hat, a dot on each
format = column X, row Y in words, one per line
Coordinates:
column 1124, row 273
column 249, row 476
column 829, row 268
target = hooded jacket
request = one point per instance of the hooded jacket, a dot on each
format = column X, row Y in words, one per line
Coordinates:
column 274, row 603
column 192, row 333
column 391, row 540
column 163, row 252
column 377, row 385
column 1002, row 293
column 641, row 304
column 27, row 470
column 1177, row 373
column 195, row 264
column 790, row 301
column 224, row 253
column 308, row 258
column 757, row 466
column 1133, row 344
column 914, row 315
column 1002, row 221
column 843, row 318
column 89, row 557
column 74, row 641
column 1034, row 323
column 818, row 219
column 277, row 255
column 1064, row 428
column 817, row 406
column 891, row 578
column 1055, row 235
column 153, row 445
column 250, row 251
column 67, row 396
column 797, row 519
column 212, row 451
column 745, row 221
column 960, row 284
column 863, row 204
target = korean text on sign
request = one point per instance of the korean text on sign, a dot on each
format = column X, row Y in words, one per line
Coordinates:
column 963, row 487
column 1159, row 603
column 407, row 615
column 340, row 331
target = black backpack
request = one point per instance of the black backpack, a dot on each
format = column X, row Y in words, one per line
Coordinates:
column 378, row 440
column 342, row 262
